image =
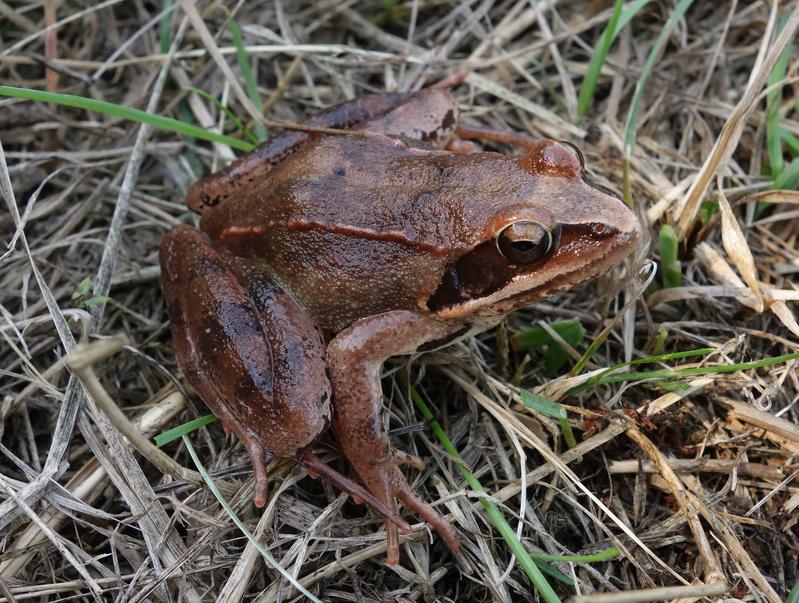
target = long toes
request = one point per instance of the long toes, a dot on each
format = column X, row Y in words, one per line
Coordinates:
column 259, row 458
column 382, row 488
column 392, row 545
column 392, row 483
column 261, row 494
column 381, row 504
column 429, row 514
column 409, row 460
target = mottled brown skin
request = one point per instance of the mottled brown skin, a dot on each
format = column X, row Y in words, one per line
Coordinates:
column 389, row 244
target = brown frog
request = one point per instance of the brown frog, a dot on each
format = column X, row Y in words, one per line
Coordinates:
column 320, row 256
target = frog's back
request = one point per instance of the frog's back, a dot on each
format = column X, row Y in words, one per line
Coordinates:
column 376, row 189
column 354, row 226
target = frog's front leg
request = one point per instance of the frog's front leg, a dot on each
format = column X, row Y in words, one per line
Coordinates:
column 355, row 357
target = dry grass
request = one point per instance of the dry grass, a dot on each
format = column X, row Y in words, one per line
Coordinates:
column 697, row 485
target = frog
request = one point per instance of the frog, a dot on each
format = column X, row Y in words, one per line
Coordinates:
column 372, row 233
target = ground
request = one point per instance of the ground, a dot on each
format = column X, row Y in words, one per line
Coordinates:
column 677, row 473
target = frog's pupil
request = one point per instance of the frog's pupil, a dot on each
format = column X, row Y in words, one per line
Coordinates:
column 524, row 246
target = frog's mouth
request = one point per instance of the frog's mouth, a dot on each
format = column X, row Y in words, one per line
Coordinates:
column 483, row 282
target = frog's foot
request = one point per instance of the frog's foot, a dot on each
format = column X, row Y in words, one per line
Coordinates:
column 354, row 359
column 259, row 456
column 464, row 147
column 359, row 494
column 387, row 483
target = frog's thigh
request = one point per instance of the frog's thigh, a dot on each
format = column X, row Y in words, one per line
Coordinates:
column 252, row 354
column 354, row 359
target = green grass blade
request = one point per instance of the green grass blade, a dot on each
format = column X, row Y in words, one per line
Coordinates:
column 791, row 141
column 595, row 65
column 660, row 342
column 708, row 209
column 647, row 360
column 773, row 102
column 246, row 72
column 551, row 570
column 170, row 435
column 541, row 405
column 793, row 596
column 669, row 356
column 788, row 178
column 550, row 409
column 651, row 59
column 635, row 105
column 618, row 20
column 589, row 353
column 129, row 113
column 165, row 27
column 537, row 337
column 670, row 268
column 226, row 110
column 571, row 331
column 240, row 524
column 628, row 14
column 492, row 510
column 672, row 374
column 598, row 557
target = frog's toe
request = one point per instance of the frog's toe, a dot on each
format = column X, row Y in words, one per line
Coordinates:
column 458, row 145
column 387, row 483
column 318, row 468
column 409, row 460
column 260, row 458
column 409, row 498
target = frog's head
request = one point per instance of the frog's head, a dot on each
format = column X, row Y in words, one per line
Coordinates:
column 555, row 232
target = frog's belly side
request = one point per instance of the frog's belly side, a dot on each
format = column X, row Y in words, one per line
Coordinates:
column 339, row 278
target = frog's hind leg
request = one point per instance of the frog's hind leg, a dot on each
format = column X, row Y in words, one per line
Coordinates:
column 509, row 137
column 354, row 358
column 253, row 356
column 259, row 456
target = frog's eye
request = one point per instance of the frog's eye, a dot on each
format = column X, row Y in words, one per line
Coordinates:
column 524, row 242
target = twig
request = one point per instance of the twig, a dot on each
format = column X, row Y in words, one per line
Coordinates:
column 80, row 361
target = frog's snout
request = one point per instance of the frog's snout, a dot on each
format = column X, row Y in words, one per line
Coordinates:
column 627, row 225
